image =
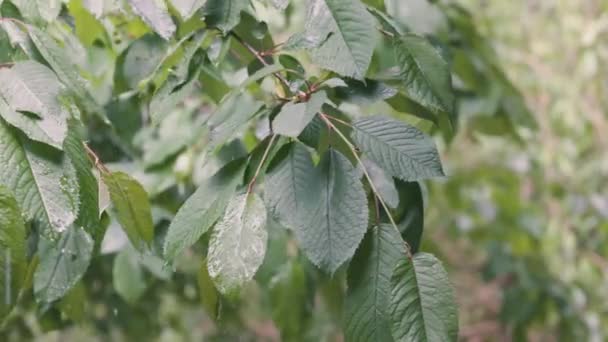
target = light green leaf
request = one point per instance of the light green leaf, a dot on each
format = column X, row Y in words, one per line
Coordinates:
column 47, row 10
column 294, row 117
column 202, row 209
column 13, row 264
column 335, row 213
column 401, row 150
column 230, row 116
column 86, row 26
column 280, row 4
column 209, row 296
column 132, row 206
column 31, row 91
column 369, row 285
column 424, row 74
column 238, row 243
column 341, row 35
column 224, row 14
column 128, row 276
column 63, row 262
column 61, row 63
column 142, row 59
column 156, row 15
column 42, row 180
column 187, row 8
column 422, row 305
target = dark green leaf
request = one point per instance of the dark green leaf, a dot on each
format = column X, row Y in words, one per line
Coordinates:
column 208, row 293
column 422, row 305
column 202, row 209
column 294, row 117
column 63, row 262
column 400, row 149
column 369, row 285
column 424, row 73
column 132, row 207
column 224, row 14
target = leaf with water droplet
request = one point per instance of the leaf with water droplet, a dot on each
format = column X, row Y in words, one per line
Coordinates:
column 63, row 262
column 13, row 263
column 238, row 243
column 42, row 179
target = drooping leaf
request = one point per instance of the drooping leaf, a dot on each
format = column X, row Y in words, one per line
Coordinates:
column 132, row 207
column 63, row 262
column 369, row 285
column 291, row 301
column 13, row 265
column 401, row 150
column 422, row 305
column 61, row 63
column 156, row 15
column 334, row 213
column 30, row 87
column 187, row 8
column 238, row 243
column 208, row 293
column 294, row 117
column 42, row 180
column 341, row 35
column 88, row 211
column 424, row 74
column 224, row 14
column 128, row 276
column 202, row 209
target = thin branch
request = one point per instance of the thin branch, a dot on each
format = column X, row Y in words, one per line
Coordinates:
column 339, row 120
column 353, row 150
column 262, row 162
column 98, row 164
column 257, row 55
column 7, row 65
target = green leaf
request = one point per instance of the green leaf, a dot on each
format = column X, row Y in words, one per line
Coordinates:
column 88, row 212
column 33, row 10
column 291, row 301
column 286, row 189
column 31, row 92
column 42, row 180
column 294, row 117
column 224, row 14
column 422, row 305
column 74, row 304
column 424, row 74
column 238, row 243
column 63, row 262
column 59, row 61
column 156, row 15
column 369, row 285
column 132, row 206
column 128, row 276
column 187, row 8
column 202, row 209
column 209, row 296
column 334, row 213
column 341, row 35
column 13, row 264
column 401, row 150
column 230, row 116
column 142, row 59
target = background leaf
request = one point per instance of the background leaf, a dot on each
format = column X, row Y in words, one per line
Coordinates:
column 155, row 14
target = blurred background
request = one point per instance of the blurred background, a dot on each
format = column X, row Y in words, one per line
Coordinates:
column 521, row 222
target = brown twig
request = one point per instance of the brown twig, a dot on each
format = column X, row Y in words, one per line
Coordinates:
column 98, row 164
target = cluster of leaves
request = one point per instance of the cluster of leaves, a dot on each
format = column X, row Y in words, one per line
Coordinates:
column 187, row 125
